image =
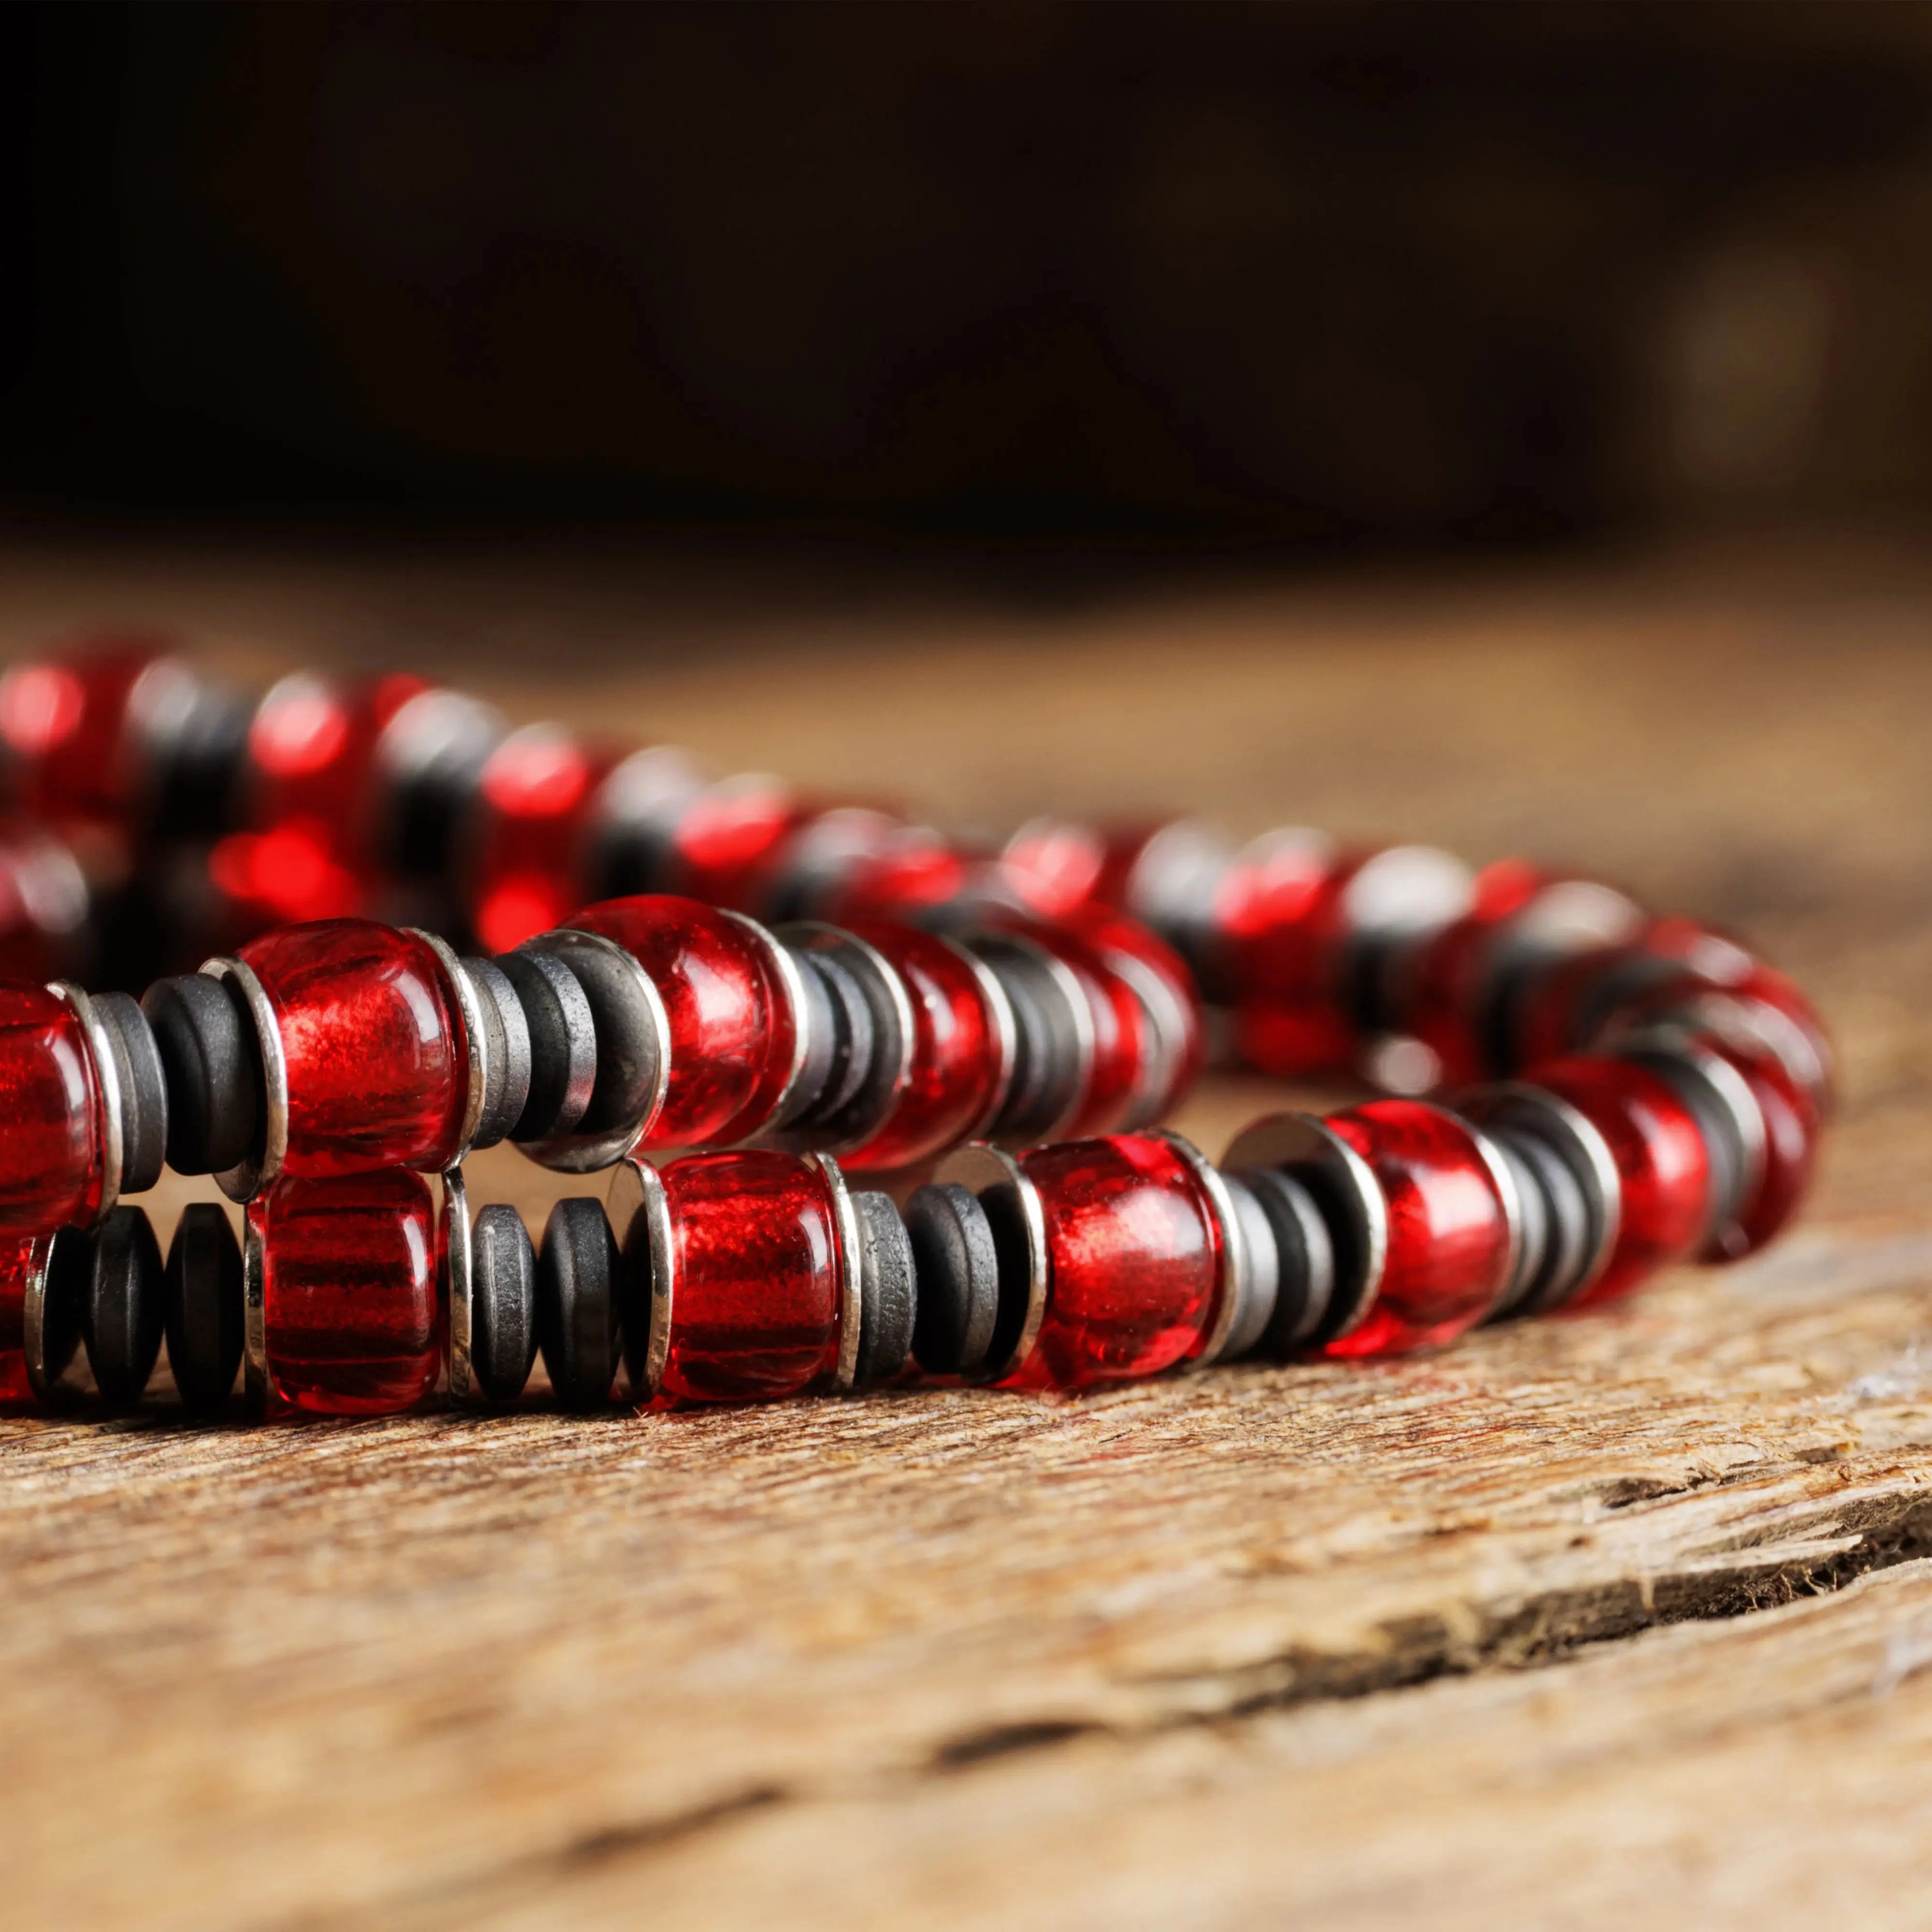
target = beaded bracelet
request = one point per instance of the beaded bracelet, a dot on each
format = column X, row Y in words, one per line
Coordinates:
column 318, row 1066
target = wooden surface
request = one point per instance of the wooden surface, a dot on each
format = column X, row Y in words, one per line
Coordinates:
column 1576, row 1623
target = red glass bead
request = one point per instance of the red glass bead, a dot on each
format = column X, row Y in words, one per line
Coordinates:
column 1168, row 996
column 372, row 1038
column 352, row 1320
column 311, row 747
column 1288, row 913
column 734, row 1035
column 917, row 873
column 957, row 1070
column 729, row 839
column 535, row 801
column 50, row 1115
column 757, row 1295
column 1060, row 866
column 1450, row 1242
column 65, row 725
column 1134, row 1261
column 1662, row 1163
column 1446, row 987
column 17, row 1257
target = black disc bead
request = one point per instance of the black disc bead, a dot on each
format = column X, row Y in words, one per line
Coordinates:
column 889, row 1290
column 503, row 1304
column 577, row 1290
column 211, row 1063
column 126, row 1308
column 203, row 1312
column 1304, row 1260
column 144, row 1093
column 957, row 1267
column 1556, row 1223
column 563, row 1044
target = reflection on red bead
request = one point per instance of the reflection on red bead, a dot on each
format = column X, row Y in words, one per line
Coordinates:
column 1449, row 1244
column 535, row 800
column 756, row 1295
column 17, row 1262
column 50, row 1149
column 733, row 1034
column 373, row 1040
column 1134, row 1261
column 351, row 1315
column 43, row 905
column 1662, row 1163
column 1792, row 1121
column 954, row 1081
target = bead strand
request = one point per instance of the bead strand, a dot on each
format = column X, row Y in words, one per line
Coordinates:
column 761, row 1273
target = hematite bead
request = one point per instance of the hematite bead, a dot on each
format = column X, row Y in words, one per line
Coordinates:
column 958, row 1270
column 1302, row 1254
column 125, row 1309
column 888, row 1289
column 211, row 1067
column 503, row 1304
column 562, row 1039
column 577, row 1304
column 204, row 1313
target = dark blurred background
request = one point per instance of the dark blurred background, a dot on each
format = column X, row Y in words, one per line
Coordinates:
column 1297, row 275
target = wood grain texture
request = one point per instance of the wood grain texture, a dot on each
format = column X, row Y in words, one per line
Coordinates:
column 1576, row 1621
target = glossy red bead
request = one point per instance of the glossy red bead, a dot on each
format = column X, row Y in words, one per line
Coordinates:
column 352, row 1318
column 1662, row 1163
column 1062, row 866
column 311, row 748
column 1173, row 1046
column 1289, row 914
column 730, row 838
column 733, row 1034
column 64, row 726
column 956, row 1072
column 17, row 1255
column 914, row 874
column 1134, row 1261
column 535, row 800
column 757, row 1297
column 1450, row 1242
column 377, row 1060
column 1446, row 989
column 50, row 1117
